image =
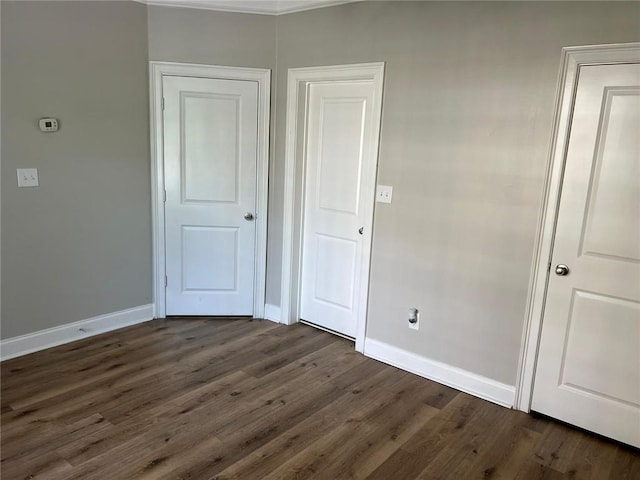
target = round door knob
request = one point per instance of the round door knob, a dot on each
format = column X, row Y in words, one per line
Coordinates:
column 562, row 270
column 248, row 216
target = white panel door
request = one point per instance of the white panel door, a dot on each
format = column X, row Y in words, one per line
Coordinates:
column 340, row 177
column 210, row 154
column 588, row 369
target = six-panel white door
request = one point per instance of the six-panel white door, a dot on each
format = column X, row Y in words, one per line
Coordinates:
column 210, row 154
column 339, row 179
column 588, row 369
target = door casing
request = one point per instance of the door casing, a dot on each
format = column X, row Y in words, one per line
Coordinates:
column 157, row 70
column 571, row 60
column 297, row 83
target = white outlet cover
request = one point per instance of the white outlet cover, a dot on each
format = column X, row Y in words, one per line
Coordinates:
column 28, row 177
column 384, row 193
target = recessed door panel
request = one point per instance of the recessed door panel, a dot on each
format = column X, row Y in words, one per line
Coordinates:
column 335, row 255
column 206, row 250
column 614, row 203
column 210, row 133
column 340, row 156
column 210, row 155
column 603, row 333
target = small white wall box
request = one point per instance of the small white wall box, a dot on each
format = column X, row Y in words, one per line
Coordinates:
column 48, row 125
column 28, row 177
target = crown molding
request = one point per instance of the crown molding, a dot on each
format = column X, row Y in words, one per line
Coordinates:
column 260, row 7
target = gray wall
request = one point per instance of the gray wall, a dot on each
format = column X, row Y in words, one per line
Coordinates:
column 80, row 244
column 468, row 100
column 213, row 38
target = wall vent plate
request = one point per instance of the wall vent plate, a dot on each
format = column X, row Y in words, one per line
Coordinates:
column 48, row 124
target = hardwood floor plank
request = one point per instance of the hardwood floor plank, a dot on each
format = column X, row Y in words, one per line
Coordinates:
column 160, row 418
column 84, row 370
column 626, row 465
column 37, row 465
column 469, row 441
column 370, row 378
column 509, row 449
column 143, row 371
column 15, row 450
column 422, row 448
column 532, row 470
column 260, row 421
column 593, row 459
column 556, row 447
column 234, row 398
column 381, row 426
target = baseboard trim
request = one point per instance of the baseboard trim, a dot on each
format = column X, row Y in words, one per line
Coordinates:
column 272, row 312
column 52, row 337
column 457, row 378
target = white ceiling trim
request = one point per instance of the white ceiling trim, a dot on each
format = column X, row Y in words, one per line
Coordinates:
column 263, row 7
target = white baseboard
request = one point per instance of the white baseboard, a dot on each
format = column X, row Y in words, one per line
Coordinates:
column 51, row 337
column 457, row 378
column 272, row 312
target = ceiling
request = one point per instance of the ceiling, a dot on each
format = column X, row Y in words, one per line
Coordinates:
column 265, row 7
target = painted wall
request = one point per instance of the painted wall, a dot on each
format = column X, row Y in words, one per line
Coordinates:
column 468, row 105
column 213, row 38
column 80, row 244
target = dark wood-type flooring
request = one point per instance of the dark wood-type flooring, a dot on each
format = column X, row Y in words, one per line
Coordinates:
column 242, row 399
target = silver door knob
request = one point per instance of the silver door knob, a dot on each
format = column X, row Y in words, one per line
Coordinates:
column 248, row 216
column 562, row 270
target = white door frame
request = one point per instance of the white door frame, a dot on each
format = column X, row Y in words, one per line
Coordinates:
column 572, row 59
column 157, row 70
column 297, row 89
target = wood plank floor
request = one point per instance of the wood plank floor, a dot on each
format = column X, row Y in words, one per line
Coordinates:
column 242, row 399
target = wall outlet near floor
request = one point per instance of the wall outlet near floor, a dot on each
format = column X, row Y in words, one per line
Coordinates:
column 414, row 319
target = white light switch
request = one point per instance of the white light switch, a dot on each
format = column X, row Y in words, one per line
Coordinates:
column 27, row 177
column 384, row 193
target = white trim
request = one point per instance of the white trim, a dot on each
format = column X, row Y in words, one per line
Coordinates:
column 571, row 61
column 298, row 79
column 443, row 373
column 272, row 312
column 70, row 332
column 263, row 77
column 258, row 7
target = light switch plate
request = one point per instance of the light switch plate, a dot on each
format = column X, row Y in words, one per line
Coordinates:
column 27, row 177
column 384, row 193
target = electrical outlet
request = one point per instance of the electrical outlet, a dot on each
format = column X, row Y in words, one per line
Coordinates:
column 384, row 193
column 414, row 319
column 27, row 177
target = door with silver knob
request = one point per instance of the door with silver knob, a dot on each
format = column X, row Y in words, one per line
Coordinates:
column 339, row 191
column 210, row 151
column 587, row 372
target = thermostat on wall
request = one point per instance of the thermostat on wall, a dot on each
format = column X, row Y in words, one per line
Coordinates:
column 48, row 125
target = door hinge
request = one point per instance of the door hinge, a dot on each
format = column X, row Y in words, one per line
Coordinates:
column 166, row 281
column 164, row 196
column 162, row 102
column 549, row 267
